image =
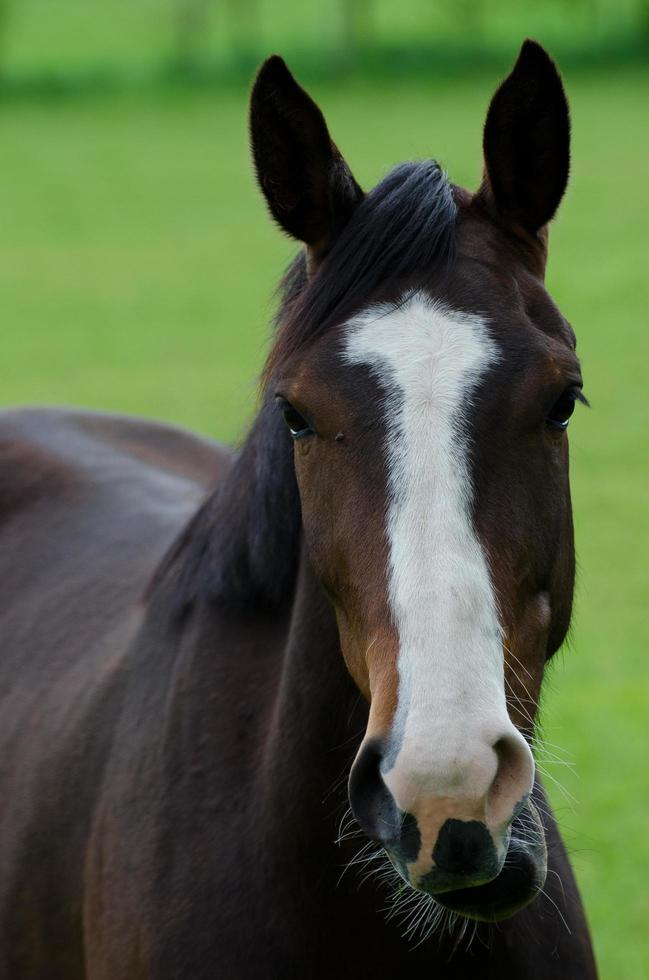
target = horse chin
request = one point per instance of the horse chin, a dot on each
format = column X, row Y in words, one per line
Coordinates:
column 518, row 883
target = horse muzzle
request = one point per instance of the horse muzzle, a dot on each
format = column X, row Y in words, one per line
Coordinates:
column 482, row 859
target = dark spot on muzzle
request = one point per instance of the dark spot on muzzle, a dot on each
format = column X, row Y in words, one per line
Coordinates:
column 465, row 848
column 517, row 884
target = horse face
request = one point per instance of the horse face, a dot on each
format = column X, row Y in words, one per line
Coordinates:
column 431, row 459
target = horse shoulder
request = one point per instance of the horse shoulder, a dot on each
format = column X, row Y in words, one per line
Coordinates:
column 89, row 503
column 28, row 471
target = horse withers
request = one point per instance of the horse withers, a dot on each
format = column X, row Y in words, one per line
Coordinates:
column 201, row 649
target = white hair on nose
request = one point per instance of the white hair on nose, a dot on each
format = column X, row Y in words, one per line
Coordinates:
column 429, row 360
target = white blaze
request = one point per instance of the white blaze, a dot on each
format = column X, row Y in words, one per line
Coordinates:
column 451, row 704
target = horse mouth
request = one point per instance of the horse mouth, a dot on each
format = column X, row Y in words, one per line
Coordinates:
column 517, row 884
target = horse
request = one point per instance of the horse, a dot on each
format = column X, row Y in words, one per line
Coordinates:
column 236, row 684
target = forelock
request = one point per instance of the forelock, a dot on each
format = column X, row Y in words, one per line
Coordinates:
column 402, row 230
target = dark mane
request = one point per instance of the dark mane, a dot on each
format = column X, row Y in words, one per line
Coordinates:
column 240, row 550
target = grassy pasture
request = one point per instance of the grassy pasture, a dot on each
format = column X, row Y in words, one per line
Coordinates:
column 136, row 274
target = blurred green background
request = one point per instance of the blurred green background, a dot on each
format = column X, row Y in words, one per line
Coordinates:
column 137, row 269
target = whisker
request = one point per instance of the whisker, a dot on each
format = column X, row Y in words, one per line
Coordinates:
column 558, row 910
column 510, row 653
column 567, row 795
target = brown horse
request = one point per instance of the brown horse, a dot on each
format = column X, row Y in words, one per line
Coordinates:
column 379, row 578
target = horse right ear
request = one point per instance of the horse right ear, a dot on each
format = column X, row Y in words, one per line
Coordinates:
column 309, row 188
column 527, row 143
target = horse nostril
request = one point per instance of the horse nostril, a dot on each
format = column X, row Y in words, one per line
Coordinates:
column 372, row 803
column 465, row 847
column 514, row 778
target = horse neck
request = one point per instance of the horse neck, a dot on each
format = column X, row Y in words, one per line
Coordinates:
column 274, row 684
column 317, row 717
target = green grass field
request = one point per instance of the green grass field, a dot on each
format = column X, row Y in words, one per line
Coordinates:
column 136, row 273
column 103, row 38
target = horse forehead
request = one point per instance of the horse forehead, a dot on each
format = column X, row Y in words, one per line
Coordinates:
column 426, row 355
column 430, row 360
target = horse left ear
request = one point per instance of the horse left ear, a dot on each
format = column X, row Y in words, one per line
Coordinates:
column 309, row 188
column 526, row 143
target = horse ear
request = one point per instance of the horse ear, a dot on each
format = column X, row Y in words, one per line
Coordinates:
column 310, row 190
column 527, row 143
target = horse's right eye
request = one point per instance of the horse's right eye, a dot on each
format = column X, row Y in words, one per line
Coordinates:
column 297, row 424
column 559, row 415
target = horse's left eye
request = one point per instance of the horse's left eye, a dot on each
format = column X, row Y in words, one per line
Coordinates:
column 298, row 426
column 559, row 416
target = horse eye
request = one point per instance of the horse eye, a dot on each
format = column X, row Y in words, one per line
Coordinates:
column 559, row 415
column 298, row 426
